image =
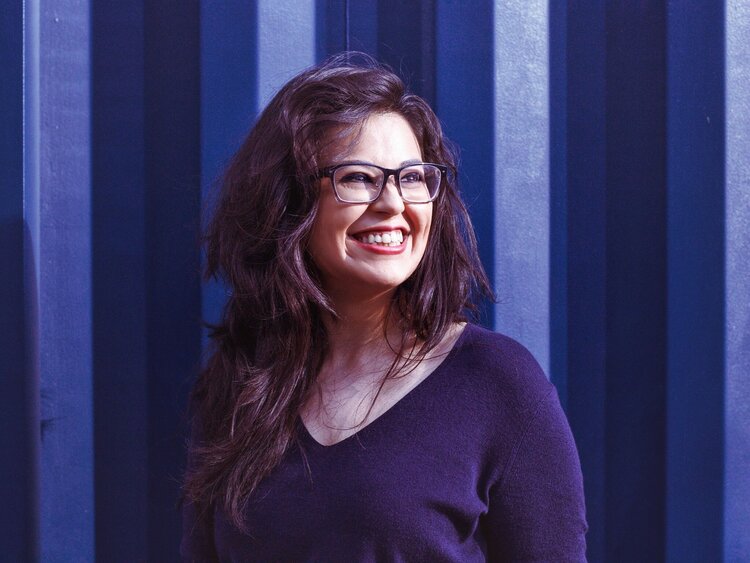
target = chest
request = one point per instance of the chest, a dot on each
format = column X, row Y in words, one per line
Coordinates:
column 392, row 488
column 332, row 416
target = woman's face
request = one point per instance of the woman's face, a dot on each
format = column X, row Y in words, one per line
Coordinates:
column 340, row 240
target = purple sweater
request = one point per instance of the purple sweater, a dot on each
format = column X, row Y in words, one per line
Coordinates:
column 476, row 463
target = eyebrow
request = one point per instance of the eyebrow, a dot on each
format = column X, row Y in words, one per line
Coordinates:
column 367, row 163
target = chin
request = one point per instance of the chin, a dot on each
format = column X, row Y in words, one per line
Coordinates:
column 373, row 284
column 380, row 285
column 390, row 280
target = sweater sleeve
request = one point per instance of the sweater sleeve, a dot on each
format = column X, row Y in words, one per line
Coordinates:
column 536, row 507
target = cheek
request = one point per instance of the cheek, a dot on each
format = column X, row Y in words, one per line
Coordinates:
column 323, row 247
column 328, row 236
column 427, row 234
column 424, row 220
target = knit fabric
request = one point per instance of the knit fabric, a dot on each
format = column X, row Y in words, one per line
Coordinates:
column 476, row 463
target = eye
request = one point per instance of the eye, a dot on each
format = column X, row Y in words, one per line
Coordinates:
column 411, row 177
column 357, row 178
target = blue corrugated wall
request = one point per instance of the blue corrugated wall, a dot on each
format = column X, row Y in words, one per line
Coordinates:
column 605, row 153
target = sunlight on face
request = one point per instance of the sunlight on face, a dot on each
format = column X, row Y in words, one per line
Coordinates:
column 362, row 248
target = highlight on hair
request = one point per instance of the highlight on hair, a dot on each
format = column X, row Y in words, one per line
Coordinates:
column 271, row 341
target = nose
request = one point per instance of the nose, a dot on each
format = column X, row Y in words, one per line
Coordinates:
column 390, row 199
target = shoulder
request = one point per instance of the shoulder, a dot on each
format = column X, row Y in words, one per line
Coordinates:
column 532, row 475
column 500, row 369
column 497, row 382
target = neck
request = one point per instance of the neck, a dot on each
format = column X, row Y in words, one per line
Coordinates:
column 358, row 327
column 360, row 344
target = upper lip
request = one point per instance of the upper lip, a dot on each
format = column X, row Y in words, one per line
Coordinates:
column 381, row 229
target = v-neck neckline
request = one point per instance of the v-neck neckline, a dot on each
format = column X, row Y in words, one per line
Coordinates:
column 409, row 396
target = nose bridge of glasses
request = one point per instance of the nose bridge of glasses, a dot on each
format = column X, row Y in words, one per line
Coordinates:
column 388, row 174
column 392, row 194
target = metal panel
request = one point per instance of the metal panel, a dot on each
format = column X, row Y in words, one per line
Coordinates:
column 636, row 256
column 119, row 281
column 696, row 282
column 229, row 102
column 286, row 43
column 464, row 101
column 608, row 219
column 19, row 424
column 558, row 177
column 61, row 212
column 737, row 299
column 575, row 121
column 578, row 91
column 406, row 42
column 522, row 208
column 331, row 25
column 172, row 211
column 362, row 29
column 347, row 26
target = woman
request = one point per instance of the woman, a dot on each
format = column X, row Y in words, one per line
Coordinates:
column 348, row 411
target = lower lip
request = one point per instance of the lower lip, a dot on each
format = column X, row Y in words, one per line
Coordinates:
column 380, row 249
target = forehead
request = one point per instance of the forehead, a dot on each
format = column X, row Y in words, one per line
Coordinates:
column 383, row 138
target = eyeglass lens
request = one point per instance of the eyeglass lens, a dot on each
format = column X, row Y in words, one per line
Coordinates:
column 362, row 183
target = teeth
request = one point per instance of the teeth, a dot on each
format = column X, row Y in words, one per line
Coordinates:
column 387, row 238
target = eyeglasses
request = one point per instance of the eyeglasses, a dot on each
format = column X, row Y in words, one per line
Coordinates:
column 363, row 183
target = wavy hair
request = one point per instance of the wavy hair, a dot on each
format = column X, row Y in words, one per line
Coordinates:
column 271, row 341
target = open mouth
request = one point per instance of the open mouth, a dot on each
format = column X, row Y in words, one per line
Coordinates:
column 381, row 238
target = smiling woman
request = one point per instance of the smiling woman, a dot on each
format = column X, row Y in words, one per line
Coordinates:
column 349, row 411
column 375, row 245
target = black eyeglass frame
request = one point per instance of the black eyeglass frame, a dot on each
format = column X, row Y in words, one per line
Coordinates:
column 329, row 171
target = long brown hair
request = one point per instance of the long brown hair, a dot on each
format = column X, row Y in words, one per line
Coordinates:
column 271, row 341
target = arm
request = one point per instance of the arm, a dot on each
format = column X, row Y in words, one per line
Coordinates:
column 537, row 510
